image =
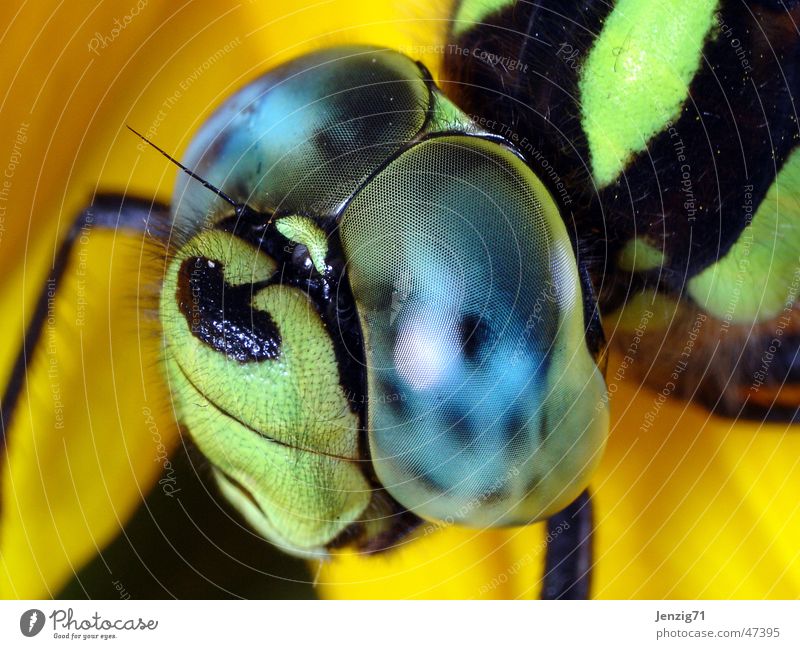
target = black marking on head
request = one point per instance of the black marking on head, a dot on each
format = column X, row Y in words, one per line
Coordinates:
column 777, row 5
column 330, row 293
column 474, row 335
column 222, row 315
column 403, row 523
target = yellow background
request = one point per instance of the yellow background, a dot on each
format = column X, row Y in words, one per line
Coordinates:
column 696, row 507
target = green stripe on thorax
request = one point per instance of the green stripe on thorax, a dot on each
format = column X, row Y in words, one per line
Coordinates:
column 760, row 275
column 470, row 12
column 640, row 255
column 636, row 78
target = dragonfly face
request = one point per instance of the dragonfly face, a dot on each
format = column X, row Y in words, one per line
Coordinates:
column 392, row 324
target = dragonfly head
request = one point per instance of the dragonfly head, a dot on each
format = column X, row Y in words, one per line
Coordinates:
column 394, row 325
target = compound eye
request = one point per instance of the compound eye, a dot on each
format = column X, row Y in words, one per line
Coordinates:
column 303, row 137
column 485, row 405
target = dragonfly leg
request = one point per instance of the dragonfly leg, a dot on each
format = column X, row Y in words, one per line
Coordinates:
column 107, row 212
column 568, row 564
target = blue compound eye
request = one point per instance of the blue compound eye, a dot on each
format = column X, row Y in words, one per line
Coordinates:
column 485, row 405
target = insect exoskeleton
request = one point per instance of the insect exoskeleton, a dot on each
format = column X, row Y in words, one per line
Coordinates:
column 390, row 326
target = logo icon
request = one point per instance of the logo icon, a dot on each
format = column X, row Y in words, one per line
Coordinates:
column 31, row 622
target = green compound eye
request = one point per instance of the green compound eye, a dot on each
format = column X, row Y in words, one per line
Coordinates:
column 486, row 407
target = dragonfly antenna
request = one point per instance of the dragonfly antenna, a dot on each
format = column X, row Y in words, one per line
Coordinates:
column 239, row 207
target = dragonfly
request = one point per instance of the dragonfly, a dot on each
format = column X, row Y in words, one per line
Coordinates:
column 388, row 300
